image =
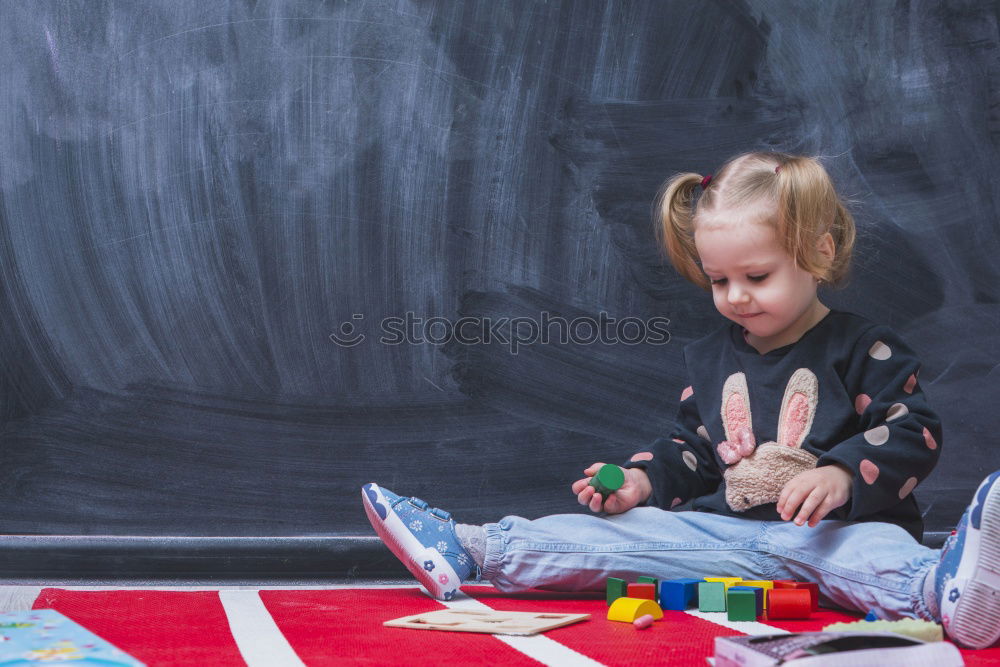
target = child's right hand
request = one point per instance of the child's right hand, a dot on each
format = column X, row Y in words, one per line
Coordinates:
column 635, row 490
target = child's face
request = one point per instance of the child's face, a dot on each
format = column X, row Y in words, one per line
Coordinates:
column 755, row 283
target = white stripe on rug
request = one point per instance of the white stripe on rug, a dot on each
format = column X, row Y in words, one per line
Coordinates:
column 257, row 635
column 539, row 647
column 746, row 627
column 18, row 598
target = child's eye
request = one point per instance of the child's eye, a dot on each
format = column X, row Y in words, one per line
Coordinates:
column 757, row 279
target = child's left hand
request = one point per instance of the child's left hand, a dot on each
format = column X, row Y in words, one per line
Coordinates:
column 819, row 491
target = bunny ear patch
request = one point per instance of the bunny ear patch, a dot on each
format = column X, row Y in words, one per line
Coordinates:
column 798, row 408
column 736, row 418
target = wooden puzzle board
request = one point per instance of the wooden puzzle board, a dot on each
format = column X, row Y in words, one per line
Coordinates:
column 493, row 622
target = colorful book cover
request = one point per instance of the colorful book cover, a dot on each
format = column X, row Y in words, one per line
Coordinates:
column 46, row 636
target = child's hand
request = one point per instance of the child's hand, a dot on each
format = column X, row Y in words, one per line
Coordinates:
column 819, row 491
column 635, row 490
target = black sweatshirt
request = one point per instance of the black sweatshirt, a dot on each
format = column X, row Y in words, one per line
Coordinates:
column 868, row 414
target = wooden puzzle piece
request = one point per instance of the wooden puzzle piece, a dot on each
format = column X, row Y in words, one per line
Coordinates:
column 491, row 622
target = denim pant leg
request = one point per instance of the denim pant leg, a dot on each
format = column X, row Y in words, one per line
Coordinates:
column 859, row 566
column 870, row 566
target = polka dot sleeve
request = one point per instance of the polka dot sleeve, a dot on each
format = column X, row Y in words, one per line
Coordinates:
column 681, row 466
column 897, row 437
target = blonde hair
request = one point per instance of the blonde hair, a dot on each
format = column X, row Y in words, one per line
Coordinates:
column 794, row 194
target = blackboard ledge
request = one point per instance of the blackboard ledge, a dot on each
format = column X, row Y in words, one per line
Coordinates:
column 88, row 557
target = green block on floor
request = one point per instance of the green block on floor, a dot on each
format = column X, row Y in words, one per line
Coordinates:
column 617, row 588
column 756, row 590
column 742, row 605
column 711, row 596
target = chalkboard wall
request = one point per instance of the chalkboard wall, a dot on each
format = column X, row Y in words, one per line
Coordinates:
column 238, row 239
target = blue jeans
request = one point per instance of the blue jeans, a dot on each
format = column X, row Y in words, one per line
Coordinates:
column 858, row 566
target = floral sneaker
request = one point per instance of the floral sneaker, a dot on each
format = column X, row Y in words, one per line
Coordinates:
column 422, row 537
column 967, row 581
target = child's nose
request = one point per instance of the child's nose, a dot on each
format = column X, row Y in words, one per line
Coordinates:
column 737, row 295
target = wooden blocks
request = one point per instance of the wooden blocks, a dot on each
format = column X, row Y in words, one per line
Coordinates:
column 644, row 591
column 728, row 581
column 616, row 588
column 656, row 586
column 679, row 594
column 608, row 479
column 628, row 610
column 813, row 589
column 759, row 595
column 744, row 600
column 789, row 603
column 741, row 603
column 712, row 596
column 765, row 585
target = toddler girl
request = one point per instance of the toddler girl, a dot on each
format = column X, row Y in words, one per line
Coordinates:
column 799, row 438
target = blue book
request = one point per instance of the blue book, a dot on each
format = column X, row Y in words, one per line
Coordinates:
column 46, row 636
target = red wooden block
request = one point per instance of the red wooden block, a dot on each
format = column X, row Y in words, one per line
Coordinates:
column 643, row 591
column 813, row 589
column 789, row 603
column 813, row 592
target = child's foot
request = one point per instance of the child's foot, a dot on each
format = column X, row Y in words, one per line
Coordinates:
column 968, row 577
column 422, row 537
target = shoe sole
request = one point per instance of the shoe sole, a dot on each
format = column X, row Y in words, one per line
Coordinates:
column 442, row 582
column 976, row 623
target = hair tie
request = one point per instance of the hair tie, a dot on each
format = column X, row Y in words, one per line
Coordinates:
column 777, row 169
column 705, row 182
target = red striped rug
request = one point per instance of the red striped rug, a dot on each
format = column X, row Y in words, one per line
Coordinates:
column 338, row 626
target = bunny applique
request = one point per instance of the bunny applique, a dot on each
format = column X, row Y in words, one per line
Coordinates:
column 756, row 475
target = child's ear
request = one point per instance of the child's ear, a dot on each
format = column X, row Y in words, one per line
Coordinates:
column 827, row 247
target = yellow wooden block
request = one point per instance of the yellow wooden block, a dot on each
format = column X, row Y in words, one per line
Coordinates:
column 728, row 581
column 629, row 609
column 766, row 585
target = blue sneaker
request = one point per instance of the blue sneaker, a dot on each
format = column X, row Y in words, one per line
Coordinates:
column 422, row 537
column 967, row 581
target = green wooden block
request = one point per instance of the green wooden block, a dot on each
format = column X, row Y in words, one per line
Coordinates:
column 608, row 479
column 711, row 596
column 742, row 605
column 651, row 580
column 648, row 580
column 757, row 591
column 616, row 588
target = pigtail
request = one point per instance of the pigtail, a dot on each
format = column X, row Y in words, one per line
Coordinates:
column 844, row 234
column 674, row 214
column 793, row 194
column 800, row 206
column 808, row 207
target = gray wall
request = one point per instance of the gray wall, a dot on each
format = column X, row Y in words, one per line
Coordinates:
column 195, row 195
